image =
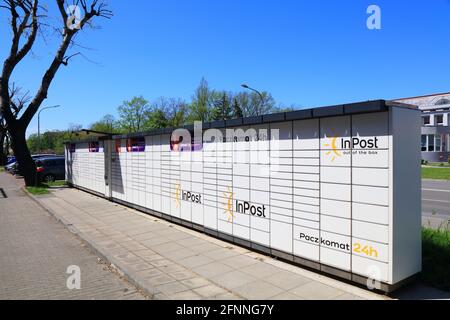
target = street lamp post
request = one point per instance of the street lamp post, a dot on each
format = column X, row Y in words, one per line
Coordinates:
column 39, row 123
column 259, row 93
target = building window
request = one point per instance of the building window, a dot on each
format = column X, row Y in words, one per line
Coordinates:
column 435, row 143
column 445, row 142
column 430, row 143
column 438, row 143
column 442, row 102
column 424, row 143
column 439, row 119
column 426, row 120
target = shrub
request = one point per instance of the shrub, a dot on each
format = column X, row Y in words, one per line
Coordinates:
column 436, row 257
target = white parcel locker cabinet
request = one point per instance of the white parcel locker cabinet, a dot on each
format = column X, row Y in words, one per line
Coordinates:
column 370, row 196
column 175, row 182
column 281, row 187
column 241, row 183
column 306, row 191
column 187, row 196
column 148, row 203
column 406, row 224
column 108, row 150
column 197, row 186
column 122, row 157
column 224, row 162
column 342, row 194
column 210, row 182
column 125, row 159
column 137, row 176
column 260, row 184
column 166, row 177
column 335, row 191
column 141, row 179
column 116, row 170
column 157, row 173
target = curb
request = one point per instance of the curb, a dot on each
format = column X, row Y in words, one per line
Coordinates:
column 116, row 265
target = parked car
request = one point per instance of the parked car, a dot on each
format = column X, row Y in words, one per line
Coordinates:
column 11, row 159
column 50, row 169
column 14, row 167
column 9, row 167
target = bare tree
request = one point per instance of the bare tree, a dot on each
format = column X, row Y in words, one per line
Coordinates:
column 26, row 20
column 18, row 101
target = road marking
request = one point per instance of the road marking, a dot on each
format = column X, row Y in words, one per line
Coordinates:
column 436, row 200
column 436, row 190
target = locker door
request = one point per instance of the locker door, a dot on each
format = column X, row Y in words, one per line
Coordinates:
column 108, row 154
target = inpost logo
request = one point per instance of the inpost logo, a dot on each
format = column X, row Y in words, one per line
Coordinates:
column 334, row 152
column 338, row 145
column 188, row 196
column 229, row 204
column 242, row 207
column 177, row 195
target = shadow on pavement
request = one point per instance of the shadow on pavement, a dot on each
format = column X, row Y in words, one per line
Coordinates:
column 419, row 291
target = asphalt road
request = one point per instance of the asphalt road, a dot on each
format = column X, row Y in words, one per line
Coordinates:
column 436, row 199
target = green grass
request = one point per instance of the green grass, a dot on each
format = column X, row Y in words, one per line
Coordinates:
column 61, row 183
column 2, row 169
column 436, row 257
column 439, row 164
column 38, row 191
column 436, row 173
column 43, row 189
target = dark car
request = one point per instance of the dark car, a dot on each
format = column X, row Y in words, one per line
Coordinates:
column 51, row 169
column 11, row 159
column 14, row 167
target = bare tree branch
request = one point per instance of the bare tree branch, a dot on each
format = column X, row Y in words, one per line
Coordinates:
column 26, row 21
column 95, row 9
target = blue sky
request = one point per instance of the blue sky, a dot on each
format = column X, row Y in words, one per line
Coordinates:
column 308, row 53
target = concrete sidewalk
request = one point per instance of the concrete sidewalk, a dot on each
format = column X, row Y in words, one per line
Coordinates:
column 172, row 262
column 36, row 250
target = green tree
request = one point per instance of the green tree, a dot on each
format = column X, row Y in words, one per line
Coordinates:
column 200, row 107
column 178, row 115
column 52, row 141
column 237, row 111
column 222, row 107
column 106, row 124
column 132, row 114
column 156, row 119
column 252, row 104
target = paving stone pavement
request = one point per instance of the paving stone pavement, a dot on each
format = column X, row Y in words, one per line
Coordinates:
column 173, row 262
column 36, row 250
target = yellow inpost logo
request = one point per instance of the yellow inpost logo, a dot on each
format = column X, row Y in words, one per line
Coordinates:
column 229, row 204
column 177, row 195
column 334, row 152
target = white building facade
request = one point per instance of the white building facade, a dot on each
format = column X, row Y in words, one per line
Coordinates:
column 435, row 139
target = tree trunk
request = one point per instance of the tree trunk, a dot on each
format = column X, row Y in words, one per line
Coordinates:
column 27, row 167
column 3, row 151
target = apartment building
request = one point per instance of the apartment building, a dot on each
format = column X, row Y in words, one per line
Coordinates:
column 435, row 125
